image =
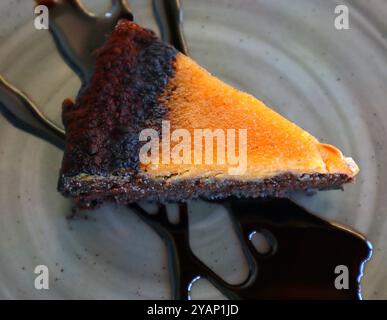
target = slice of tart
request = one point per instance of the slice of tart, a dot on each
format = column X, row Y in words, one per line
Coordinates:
column 153, row 125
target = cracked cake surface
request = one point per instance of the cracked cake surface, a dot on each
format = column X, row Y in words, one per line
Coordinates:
column 140, row 82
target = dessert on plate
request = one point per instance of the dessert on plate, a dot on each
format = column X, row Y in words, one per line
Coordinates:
column 142, row 86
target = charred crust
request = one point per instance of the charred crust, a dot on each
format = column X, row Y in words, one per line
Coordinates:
column 126, row 191
column 102, row 126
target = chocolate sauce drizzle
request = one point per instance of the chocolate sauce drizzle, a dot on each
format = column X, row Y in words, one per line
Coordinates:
column 304, row 252
column 304, row 249
column 18, row 109
column 77, row 32
column 169, row 17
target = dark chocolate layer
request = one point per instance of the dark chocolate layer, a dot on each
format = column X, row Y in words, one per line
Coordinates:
column 103, row 125
column 126, row 190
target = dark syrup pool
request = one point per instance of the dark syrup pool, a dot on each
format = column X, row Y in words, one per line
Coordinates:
column 304, row 250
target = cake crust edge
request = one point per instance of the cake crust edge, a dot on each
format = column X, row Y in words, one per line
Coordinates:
column 91, row 192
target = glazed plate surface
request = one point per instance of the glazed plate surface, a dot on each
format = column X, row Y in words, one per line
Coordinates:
column 332, row 83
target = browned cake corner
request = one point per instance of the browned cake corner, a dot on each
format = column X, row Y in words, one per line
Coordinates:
column 139, row 82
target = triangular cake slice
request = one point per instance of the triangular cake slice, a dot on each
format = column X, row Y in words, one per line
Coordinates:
column 141, row 86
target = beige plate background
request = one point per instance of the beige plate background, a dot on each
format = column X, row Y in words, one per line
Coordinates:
column 332, row 83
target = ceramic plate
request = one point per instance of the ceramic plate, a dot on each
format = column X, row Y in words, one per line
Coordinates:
column 331, row 82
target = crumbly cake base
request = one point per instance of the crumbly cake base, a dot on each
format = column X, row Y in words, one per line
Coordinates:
column 124, row 190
